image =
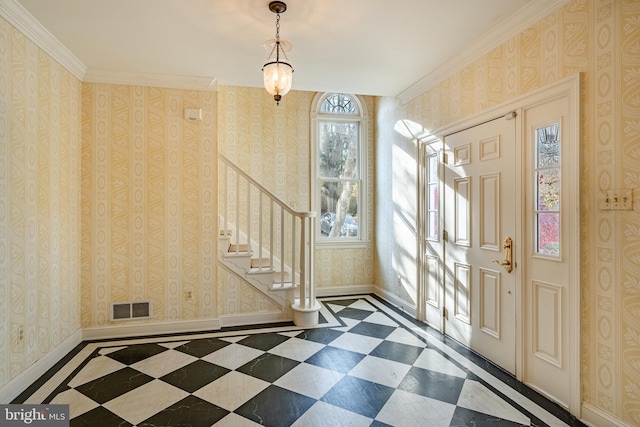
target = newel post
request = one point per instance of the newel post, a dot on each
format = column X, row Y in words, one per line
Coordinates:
column 306, row 307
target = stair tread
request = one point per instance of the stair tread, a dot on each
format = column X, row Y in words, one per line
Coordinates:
column 266, row 263
column 278, row 281
column 238, row 254
column 277, row 277
column 283, row 287
column 258, row 270
column 240, row 248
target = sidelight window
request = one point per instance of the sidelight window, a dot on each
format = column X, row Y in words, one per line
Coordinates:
column 433, row 197
column 547, row 190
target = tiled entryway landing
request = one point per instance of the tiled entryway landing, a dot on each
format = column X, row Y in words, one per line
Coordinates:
column 365, row 365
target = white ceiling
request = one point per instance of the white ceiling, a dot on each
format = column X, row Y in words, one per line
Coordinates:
column 371, row 47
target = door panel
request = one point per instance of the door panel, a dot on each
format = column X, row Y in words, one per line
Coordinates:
column 546, row 324
column 480, row 206
column 490, row 211
column 462, row 293
column 433, row 291
column 547, row 283
column 490, row 303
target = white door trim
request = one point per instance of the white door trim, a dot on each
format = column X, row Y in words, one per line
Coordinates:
column 570, row 87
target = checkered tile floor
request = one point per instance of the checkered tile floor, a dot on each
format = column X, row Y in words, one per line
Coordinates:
column 364, row 365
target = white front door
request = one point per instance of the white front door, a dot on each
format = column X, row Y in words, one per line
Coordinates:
column 480, row 214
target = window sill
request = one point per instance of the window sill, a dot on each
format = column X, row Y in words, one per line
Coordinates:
column 348, row 244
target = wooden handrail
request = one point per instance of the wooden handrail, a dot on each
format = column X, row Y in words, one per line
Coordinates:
column 283, row 205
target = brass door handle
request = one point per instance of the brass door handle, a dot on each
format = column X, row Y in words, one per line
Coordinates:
column 508, row 260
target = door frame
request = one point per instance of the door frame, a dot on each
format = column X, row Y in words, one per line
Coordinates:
column 571, row 87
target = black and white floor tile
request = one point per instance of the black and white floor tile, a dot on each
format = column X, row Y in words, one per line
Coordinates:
column 366, row 364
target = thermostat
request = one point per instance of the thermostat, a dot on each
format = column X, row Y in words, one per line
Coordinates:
column 193, row 114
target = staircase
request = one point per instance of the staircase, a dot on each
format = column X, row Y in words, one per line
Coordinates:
column 267, row 244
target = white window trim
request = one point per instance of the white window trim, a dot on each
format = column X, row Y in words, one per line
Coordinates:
column 316, row 117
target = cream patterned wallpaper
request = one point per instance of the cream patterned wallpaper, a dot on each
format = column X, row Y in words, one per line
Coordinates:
column 147, row 196
column 600, row 38
column 148, row 202
column 146, row 205
column 272, row 145
column 39, row 203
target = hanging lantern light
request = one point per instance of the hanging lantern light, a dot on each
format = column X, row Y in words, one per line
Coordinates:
column 277, row 72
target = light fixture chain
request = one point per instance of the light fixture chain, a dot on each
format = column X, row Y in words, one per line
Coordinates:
column 277, row 26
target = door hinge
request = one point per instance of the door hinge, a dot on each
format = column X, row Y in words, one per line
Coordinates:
column 445, row 235
column 443, row 157
column 445, row 312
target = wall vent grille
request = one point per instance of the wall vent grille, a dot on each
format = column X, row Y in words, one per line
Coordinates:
column 131, row 310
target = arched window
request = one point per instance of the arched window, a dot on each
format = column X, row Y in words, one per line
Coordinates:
column 339, row 188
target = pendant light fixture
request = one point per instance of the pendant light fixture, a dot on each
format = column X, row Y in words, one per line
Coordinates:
column 277, row 72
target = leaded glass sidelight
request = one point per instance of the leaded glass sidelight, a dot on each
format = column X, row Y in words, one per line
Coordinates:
column 547, row 190
column 433, row 198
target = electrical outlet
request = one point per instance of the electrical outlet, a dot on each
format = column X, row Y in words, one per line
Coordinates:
column 399, row 281
column 188, row 295
column 20, row 335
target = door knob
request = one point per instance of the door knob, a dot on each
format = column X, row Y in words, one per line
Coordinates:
column 508, row 248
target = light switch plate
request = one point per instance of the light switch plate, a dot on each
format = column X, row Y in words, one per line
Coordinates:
column 617, row 200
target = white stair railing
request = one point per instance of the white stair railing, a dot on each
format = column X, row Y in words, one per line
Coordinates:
column 261, row 222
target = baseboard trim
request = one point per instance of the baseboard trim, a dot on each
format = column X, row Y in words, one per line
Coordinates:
column 596, row 417
column 16, row 386
column 403, row 305
column 338, row 291
column 231, row 320
column 146, row 329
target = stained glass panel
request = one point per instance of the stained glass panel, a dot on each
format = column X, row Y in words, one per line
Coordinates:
column 547, row 190
column 549, row 234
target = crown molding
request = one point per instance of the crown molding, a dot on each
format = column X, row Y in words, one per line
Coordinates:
column 24, row 22
column 514, row 24
column 151, row 79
